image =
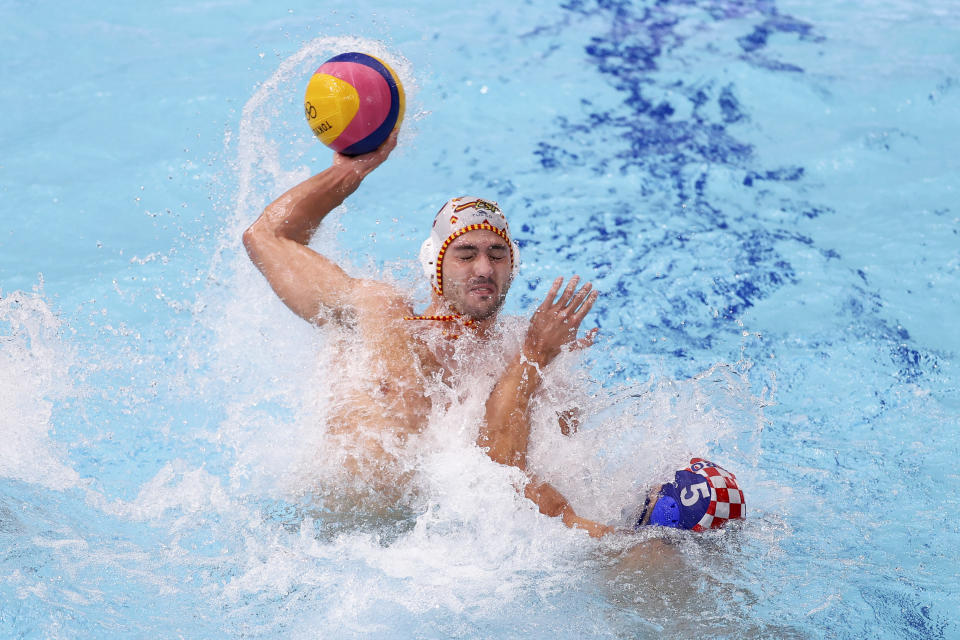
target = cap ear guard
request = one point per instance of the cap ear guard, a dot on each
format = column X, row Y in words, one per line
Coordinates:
column 428, row 260
column 515, row 266
column 666, row 513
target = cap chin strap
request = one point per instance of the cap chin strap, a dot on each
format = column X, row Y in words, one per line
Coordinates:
column 452, row 332
column 453, row 317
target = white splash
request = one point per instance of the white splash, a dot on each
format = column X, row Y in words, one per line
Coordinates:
column 468, row 540
column 34, row 374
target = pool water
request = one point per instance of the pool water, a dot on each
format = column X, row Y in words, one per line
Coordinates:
column 763, row 191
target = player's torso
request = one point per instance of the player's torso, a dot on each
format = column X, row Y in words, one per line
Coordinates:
column 379, row 377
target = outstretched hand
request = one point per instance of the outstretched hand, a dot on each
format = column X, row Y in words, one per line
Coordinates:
column 367, row 162
column 556, row 321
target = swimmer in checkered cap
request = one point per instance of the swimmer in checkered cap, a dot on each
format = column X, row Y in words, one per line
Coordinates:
column 702, row 496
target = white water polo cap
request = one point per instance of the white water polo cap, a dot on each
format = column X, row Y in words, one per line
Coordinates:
column 457, row 217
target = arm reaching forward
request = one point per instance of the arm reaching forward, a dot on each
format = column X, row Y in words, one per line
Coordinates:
column 277, row 241
column 552, row 503
column 507, row 428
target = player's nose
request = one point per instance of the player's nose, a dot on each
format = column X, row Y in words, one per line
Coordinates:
column 482, row 266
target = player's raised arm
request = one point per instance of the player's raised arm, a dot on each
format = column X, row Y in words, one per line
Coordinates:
column 506, row 429
column 277, row 241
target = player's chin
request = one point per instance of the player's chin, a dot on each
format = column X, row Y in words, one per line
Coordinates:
column 480, row 313
column 481, row 310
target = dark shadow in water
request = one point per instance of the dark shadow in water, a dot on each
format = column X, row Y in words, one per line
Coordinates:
column 349, row 512
column 663, row 587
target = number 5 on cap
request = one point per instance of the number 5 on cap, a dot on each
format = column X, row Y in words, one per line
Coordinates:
column 690, row 496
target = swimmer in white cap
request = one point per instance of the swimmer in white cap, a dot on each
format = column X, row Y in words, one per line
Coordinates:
column 471, row 259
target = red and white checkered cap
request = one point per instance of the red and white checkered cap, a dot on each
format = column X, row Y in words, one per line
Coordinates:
column 726, row 499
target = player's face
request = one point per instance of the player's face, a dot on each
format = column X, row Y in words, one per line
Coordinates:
column 651, row 502
column 476, row 273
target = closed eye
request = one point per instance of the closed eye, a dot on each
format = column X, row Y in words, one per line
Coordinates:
column 497, row 252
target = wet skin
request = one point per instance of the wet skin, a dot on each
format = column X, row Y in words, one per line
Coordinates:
column 477, row 273
column 384, row 363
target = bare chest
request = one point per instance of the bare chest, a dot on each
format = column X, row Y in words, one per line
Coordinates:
column 379, row 382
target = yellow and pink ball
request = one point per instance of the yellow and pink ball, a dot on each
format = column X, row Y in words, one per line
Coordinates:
column 353, row 102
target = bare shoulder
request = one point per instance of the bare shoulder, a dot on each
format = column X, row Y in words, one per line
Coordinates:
column 380, row 301
column 379, row 316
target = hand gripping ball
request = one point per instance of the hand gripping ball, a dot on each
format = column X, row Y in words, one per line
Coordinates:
column 353, row 102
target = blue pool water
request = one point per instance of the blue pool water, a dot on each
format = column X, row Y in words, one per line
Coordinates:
column 764, row 191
